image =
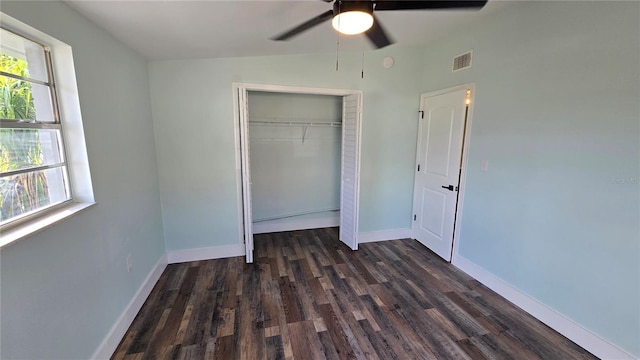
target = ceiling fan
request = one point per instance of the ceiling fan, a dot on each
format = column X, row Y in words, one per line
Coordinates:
column 356, row 16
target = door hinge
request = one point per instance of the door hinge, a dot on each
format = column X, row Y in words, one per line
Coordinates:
column 414, row 217
column 421, row 114
column 418, row 167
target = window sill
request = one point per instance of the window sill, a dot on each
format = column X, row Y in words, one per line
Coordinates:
column 13, row 235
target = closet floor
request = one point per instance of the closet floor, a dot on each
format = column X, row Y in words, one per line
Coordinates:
column 308, row 296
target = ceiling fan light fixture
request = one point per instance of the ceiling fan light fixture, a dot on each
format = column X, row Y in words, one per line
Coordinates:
column 352, row 22
column 365, row 21
column 352, row 17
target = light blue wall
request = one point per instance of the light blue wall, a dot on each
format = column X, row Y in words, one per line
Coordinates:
column 295, row 170
column 557, row 116
column 196, row 148
column 64, row 288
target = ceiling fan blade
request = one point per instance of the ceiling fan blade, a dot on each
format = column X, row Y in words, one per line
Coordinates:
column 384, row 5
column 305, row 26
column 377, row 35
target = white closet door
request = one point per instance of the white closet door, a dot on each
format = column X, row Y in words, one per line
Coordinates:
column 243, row 107
column 349, row 190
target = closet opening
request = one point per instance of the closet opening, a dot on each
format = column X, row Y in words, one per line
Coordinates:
column 298, row 151
column 295, row 150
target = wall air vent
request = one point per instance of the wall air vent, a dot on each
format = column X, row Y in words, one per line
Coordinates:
column 462, row 61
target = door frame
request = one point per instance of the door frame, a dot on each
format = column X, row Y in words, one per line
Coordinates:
column 240, row 132
column 464, row 157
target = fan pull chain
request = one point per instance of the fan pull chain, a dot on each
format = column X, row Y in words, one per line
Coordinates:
column 338, row 40
column 362, row 73
column 337, row 51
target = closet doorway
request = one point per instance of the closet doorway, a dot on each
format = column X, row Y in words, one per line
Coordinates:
column 298, row 156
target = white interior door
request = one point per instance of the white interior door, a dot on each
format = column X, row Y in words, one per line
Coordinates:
column 243, row 107
column 439, row 153
column 350, row 177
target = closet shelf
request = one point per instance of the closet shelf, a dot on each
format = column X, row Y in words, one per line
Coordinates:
column 326, row 139
column 296, row 123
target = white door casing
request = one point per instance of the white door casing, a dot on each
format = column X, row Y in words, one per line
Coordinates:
column 247, row 219
column 437, row 180
column 350, row 174
column 350, row 163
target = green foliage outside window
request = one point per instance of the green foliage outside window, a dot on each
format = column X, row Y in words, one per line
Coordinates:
column 19, row 148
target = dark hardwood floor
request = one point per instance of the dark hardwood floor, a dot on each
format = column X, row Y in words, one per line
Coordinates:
column 308, row 296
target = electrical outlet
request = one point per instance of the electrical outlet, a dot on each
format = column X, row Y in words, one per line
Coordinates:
column 129, row 263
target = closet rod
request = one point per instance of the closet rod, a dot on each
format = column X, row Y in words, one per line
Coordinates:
column 327, row 139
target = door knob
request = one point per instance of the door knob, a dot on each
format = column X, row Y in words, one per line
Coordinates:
column 450, row 187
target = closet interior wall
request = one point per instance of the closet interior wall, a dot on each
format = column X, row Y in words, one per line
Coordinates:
column 295, row 154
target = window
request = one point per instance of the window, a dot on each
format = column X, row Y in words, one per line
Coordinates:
column 44, row 164
column 33, row 170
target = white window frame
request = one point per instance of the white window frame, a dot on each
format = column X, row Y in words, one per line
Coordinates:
column 69, row 118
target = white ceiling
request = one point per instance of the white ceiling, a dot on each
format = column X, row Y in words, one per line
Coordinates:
column 185, row 29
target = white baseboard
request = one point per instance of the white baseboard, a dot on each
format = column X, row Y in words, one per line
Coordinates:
column 300, row 224
column 113, row 338
column 371, row 236
column 214, row 252
column 590, row 341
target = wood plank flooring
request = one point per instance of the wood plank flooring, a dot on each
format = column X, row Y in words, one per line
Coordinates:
column 308, row 296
